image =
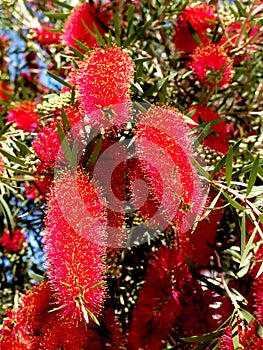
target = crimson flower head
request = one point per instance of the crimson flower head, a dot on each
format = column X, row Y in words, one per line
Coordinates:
column 74, row 27
column 221, row 132
column 45, row 35
column 23, row 115
column 13, row 243
column 104, row 79
column 73, row 244
column 247, row 336
column 47, row 144
column 212, row 66
column 198, row 18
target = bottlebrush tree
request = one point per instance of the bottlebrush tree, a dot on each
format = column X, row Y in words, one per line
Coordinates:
column 131, row 175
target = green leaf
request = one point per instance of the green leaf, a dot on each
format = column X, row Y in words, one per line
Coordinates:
column 99, row 37
column 95, row 154
column 36, row 276
column 65, row 120
column 23, row 148
column 235, row 338
column 229, row 166
column 200, row 338
column 233, row 202
column 64, row 143
column 241, row 10
column 61, row 81
column 200, row 169
column 82, row 46
column 253, row 175
column 5, row 128
column 77, row 52
column 156, row 87
column 12, row 157
column 243, row 233
column 63, row 4
column 130, row 18
column 116, row 25
column 193, row 33
column 55, row 15
column 249, row 246
column 7, row 213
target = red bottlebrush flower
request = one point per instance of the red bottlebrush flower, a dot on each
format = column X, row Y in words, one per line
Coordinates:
column 47, row 144
column 14, row 243
column 164, row 142
column 198, row 18
column 212, row 66
column 45, row 35
column 104, row 80
column 247, row 337
column 74, row 239
column 90, row 14
column 221, row 132
column 38, row 188
column 158, row 304
column 23, row 115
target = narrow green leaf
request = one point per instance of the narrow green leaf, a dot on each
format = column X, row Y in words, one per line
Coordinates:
column 23, row 148
column 56, row 15
column 61, row 81
column 77, row 52
column 130, row 17
column 253, row 175
column 64, row 143
column 7, row 213
column 5, row 128
column 81, row 45
column 63, row 4
column 193, row 33
column 200, row 338
column 156, row 87
column 229, row 166
column 260, row 271
column 233, row 202
column 12, row 97
column 65, row 120
column 249, row 246
column 241, row 10
column 12, row 157
column 116, row 25
column 36, row 276
column 243, row 233
column 95, row 154
column 99, row 37
column 200, row 169
column 235, row 338
column 74, row 154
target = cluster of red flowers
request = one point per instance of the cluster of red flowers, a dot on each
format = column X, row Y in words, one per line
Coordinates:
column 13, row 242
column 24, row 116
column 45, row 35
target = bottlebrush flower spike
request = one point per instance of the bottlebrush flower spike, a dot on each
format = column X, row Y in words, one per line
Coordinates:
column 218, row 139
column 23, row 115
column 247, row 337
column 158, row 302
column 45, row 35
column 47, row 144
column 104, row 79
column 211, row 65
column 198, row 18
column 163, row 141
column 76, row 264
column 14, row 243
column 89, row 14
